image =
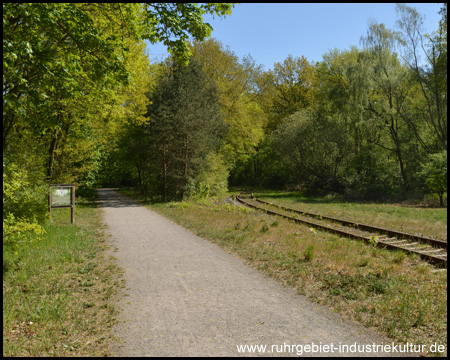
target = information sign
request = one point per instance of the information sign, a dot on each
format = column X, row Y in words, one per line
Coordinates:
column 62, row 196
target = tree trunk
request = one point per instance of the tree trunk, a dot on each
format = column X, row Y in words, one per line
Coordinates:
column 441, row 199
column 164, row 174
column 52, row 152
column 185, row 171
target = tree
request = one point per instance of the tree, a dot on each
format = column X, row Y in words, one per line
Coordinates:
column 432, row 77
column 292, row 86
column 236, row 81
column 174, row 23
column 55, row 53
column 48, row 49
column 388, row 95
column 341, row 95
column 187, row 126
column 314, row 149
column 73, row 73
column 435, row 174
column 341, row 88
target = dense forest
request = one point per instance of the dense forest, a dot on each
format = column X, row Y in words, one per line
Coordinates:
column 83, row 104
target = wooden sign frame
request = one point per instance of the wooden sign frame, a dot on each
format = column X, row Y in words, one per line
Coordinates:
column 70, row 203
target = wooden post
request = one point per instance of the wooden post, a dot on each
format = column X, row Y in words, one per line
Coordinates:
column 50, row 199
column 72, row 208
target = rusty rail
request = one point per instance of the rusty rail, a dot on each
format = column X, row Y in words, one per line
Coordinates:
column 433, row 253
column 397, row 234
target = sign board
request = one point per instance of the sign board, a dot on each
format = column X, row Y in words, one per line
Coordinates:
column 62, row 196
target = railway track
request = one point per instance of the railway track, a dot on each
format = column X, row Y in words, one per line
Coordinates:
column 431, row 250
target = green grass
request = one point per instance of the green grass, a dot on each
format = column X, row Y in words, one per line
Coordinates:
column 58, row 291
column 400, row 295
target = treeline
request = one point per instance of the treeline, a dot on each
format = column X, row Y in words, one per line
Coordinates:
column 201, row 120
column 368, row 122
column 82, row 104
column 73, row 75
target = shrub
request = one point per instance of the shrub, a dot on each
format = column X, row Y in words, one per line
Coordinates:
column 435, row 174
column 24, row 205
column 309, row 253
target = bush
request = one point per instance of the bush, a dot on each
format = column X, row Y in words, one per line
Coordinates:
column 309, row 253
column 24, row 205
column 435, row 175
column 212, row 180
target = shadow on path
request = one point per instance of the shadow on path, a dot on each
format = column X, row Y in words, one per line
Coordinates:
column 113, row 199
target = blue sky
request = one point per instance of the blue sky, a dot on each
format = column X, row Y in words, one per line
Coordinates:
column 272, row 32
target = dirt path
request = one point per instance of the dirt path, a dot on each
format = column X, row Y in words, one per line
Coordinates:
column 187, row 297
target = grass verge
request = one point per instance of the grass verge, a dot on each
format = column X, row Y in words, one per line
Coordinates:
column 399, row 295
column 58, row 290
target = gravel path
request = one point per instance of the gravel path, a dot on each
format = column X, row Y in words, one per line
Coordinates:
column 187, row 297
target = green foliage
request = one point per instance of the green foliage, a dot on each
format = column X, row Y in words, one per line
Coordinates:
column 236, row 81
column 309, row 253
column 23, row 206
column 371, row 119
column 435, row 174
column 175, row 154
column 59, row 50
column 314, row 149
column 213, row 178
column 373, row 240
column 293, row 85
column 431, row 79
column 82, row 104
column 174, row 23
column 74, row 76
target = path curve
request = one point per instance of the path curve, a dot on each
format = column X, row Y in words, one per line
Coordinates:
column 185, row 296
